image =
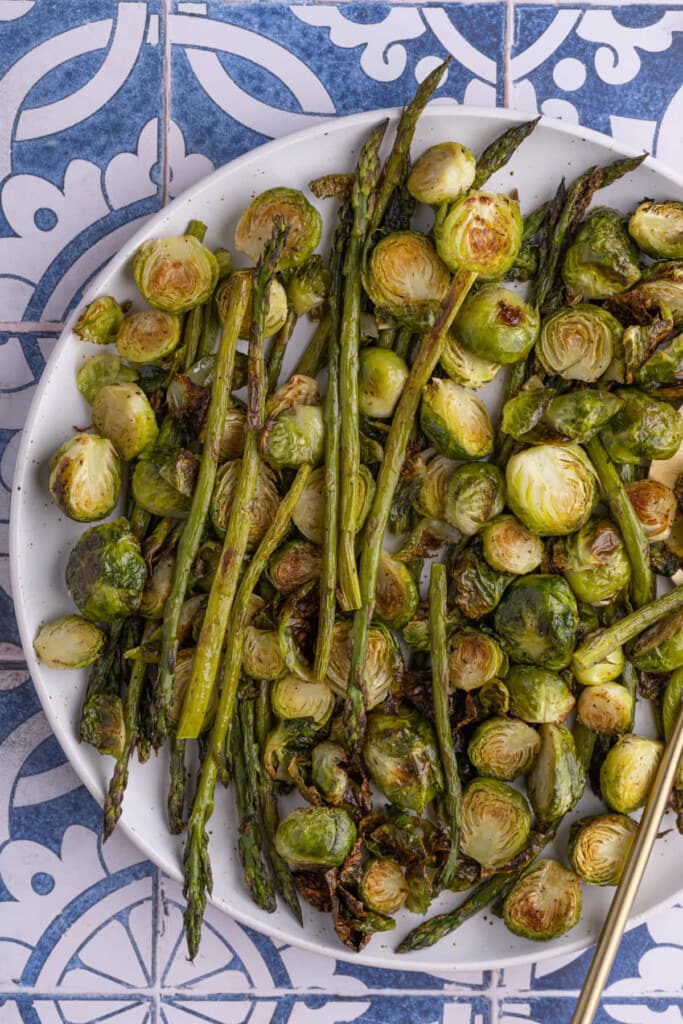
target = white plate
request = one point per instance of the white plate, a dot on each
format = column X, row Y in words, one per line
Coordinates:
column 41, row 538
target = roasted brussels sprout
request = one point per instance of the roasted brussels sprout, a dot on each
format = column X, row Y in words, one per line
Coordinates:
column 524, row 414
column 294, row 438
column 69, row 642
column 606, row 708
column 122, row 413
column 396, row 594
column 232, row 441
column 477, row 587
column 293, row 697
column 381, row 665
column 328, row 773
column 148, row 336
column 602, row 260
column 495, row 323
column 175, row 274
column 578, row 342
column 657, row 228
column 430, row 500
column 544, row 903
column 157, row 588
column 604, row 671
column 628, row 771
column 100, row 370
column 441, row 174
column 580, row 415
column 455, row 420
column 464, row 367
column 315, row 837
column 85, row 478
column 509, row 547
column 599, row 846
column 103, row 724
column 474, row 658
column 538, row 695
column 384, row 887
column 308, row 286
column 309, row 512
column 496, row 822
column 276, row 307
column 402, row 757
column 255, row 227
column 381, row 378
column 665, row 366
column 481, row 232
column 405, row 278
column 156, row 495
column 475, row 494
column 261, row 509
column 655, row 506
column 503, row 748
column 261, row 656
column 105, row 572
column 295, row 564
column 660, row 288
column 594, row 562
column 537, row 620
column 660, row 648
column 556, row 781
column 644, row 428
column 100, row 320
column 290, row 741
column 551, row 488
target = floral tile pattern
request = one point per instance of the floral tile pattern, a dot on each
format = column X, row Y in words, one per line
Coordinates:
column 108, row 108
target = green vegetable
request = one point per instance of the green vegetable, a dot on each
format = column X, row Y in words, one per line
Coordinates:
column 538, row 695
column 599, row 846
column 293, row 697
column 100, row 370
column 480, row 232
column 474, row 659
column 657, row 228
column 405, row 278
column 537, row 620
column 628, row 771
column 148, row 336
column 380, row 665
column 175, row 274
column 544, row 903
column 601, row 260
column 311, row 838
column 593, row 562
column 579, row 342
column 496, row 324
column 477, row 587
column 401, row 755
column 255, row 227
column 655, row 506
column 556, row 781
column 496, row 822
column 441, row 174
column 660, row 648
column 551, row 488
column 261, row 508
column 397, row 596
column 384, row 887
column 100, row 320
column 464, row 367
column 85, row 478
column 122, row 413
column 503, row 748
column 644, row 428
column 294, row 565
column 509, row 547
column 455, row 420
column 382, row 377
column 606, row 708
column 105, row 572
column 474, row 495
column 276, row 312
column 69, row 642
column 308, row 286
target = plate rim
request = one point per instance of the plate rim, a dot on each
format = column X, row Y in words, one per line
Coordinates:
column 65, row 738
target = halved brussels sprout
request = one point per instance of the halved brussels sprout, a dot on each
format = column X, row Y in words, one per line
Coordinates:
column 660, row 648
column 262, row 508
column 294, row 565
column 644, row 428
column 509, row 547
column 602, row 260
column 328, row 771
column 599, row 846
column 556, row 781
column 103, row 725
column 442, row 173
column 405, row 278
column 276, row 307
column 580, row 415
column 295, row 438
column 175, row 274
column 665, row 366
column 537, row 620
column 154, row 494
column 544, row 903
column 255, row 227
column 430, row 500
column 503, row 748
column 455, row 420
column 496, row 822
column 538, row 695
column 105, row 572
column 85, row 478
column 293, row 697
column 100, row 370
column 655, row 506
column 604, row 671
column 384, row 887
column 309, row 512
column 402, row 756
column 578, row 342
column 122, row 413
column 594, row 562
column 100, row 320
column 396, row 594
column 261, row 655
column 381, row 665
column 382, row 375
column 232, row 441
column 481, row 232
column 465, row 367
column 69, row 642
column 477, row 587
column 628, row 771
column 475, row 494
column 289, row 742
column 148, row 336
column 660, row 288
column 524, row 414
column 315, row 837
column 474, row 658
column 308, row 286
column 157, row 588
column 607, row 708
column 551, row 488
column 495, row 323
column 658, row 228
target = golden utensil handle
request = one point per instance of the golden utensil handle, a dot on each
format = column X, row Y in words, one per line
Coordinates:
column 625, row 894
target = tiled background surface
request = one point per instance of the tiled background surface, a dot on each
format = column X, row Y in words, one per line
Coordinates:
column 106, row 111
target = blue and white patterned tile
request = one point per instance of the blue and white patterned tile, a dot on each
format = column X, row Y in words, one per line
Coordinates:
column 40, row 1010
column 288, row 1009
column 559, row 1010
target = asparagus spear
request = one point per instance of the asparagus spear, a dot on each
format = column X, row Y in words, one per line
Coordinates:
column 201, row 497
column 364, row 184
column 635, row 541
column 246, row 773
column 175, row 807
column 313, row 356
column 452, row 803
column 501, row 149
column 196, row 864
column 390, row 470
column 278, row 348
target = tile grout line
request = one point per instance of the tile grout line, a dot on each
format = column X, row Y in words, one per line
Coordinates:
column 166, row 103
column 507, row 52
